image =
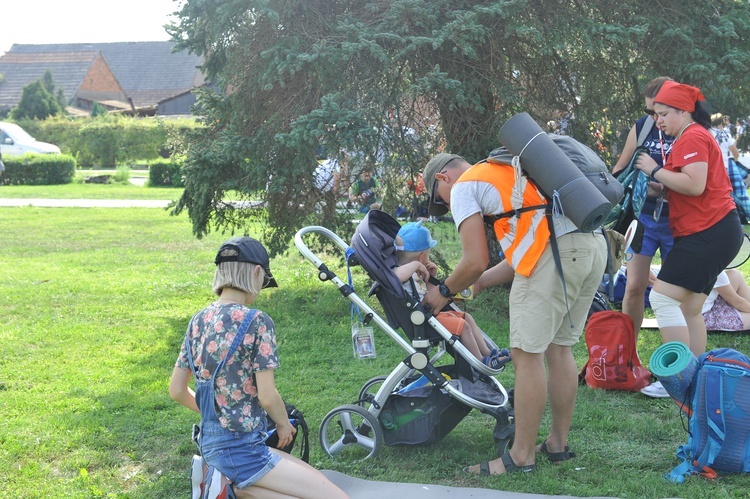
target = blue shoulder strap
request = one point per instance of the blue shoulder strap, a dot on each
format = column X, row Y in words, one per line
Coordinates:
column 714, row 417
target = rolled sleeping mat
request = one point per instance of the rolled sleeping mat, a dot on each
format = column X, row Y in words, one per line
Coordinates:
column 675, row 366
column 554, row 172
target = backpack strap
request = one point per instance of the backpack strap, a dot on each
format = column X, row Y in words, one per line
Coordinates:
column 647, row 126
column 610, row 268
column 552, row 239
column 491, row 219
column 302, row 424
column 716, row 425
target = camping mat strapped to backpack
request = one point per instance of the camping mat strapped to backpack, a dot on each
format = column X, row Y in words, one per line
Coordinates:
column 554, row 163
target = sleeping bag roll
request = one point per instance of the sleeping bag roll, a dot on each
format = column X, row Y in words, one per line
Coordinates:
column 554, row 172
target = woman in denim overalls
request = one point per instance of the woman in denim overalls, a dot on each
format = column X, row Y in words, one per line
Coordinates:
column 231, row 351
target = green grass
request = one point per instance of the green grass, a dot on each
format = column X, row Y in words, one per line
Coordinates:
column 90, row 191
column 94, row 304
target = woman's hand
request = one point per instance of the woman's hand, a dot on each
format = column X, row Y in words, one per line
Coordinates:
column 645, row 163
column 286, row 432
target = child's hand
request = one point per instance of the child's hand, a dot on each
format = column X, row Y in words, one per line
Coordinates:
column 431, row 268
column 423, row 273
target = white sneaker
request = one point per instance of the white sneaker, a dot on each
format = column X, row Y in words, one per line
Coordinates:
column 196, row 477
column 655, row 390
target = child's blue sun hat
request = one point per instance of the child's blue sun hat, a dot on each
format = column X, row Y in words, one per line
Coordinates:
column 414, row 238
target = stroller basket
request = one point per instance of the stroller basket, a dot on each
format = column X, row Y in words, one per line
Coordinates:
column 419, row 402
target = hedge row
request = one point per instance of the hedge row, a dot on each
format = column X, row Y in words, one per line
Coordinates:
column 38, row 169
column 165, row 173
column 108, row 141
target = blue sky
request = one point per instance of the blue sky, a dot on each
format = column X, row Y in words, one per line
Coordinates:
column 74, row 21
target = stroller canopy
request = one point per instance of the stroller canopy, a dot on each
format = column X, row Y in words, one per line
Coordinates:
column 373, row 246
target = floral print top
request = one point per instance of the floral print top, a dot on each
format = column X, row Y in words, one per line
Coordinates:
column 211, row 332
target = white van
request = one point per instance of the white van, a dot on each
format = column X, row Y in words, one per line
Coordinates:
column 15, row 140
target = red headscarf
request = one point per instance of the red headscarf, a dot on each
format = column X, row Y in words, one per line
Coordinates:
column 679, row 96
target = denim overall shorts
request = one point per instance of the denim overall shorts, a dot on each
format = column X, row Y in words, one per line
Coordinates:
column 243, row 457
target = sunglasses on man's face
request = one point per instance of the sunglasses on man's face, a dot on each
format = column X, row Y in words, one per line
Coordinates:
column 648, row 111
column 435, row 198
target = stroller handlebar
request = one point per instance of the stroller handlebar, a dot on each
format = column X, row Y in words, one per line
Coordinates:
column 309, row 255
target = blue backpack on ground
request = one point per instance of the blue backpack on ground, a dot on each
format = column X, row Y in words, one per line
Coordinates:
column 719, row 425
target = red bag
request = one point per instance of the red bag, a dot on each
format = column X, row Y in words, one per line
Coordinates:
column 613, row 360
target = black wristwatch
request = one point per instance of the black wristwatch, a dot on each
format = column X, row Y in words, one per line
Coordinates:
column 445, row 291
column 653, row 172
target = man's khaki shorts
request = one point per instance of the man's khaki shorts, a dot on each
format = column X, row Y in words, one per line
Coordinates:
column 538, row 313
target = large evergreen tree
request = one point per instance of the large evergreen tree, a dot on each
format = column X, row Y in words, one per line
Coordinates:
column 396, row 80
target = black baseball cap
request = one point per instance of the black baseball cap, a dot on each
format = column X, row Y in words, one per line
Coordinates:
column 248, row 250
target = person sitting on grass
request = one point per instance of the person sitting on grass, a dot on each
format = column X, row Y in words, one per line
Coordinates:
column 727, row 307
column 413, row 244
column 231, row 350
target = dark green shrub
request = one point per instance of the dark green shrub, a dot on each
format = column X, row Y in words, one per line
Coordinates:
column 110, row 140
column 98, row 110
column 165, row 173
column 38, row 169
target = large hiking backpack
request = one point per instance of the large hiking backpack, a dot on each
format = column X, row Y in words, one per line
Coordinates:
column 719, row 425
column 613, row 360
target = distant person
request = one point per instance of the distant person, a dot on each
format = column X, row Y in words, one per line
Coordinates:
column 366, row 191
column 231, row 351
column 731, row 155
column 328, row 177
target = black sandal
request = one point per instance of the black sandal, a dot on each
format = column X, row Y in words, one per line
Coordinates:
column 556, row 457
column 510, row 467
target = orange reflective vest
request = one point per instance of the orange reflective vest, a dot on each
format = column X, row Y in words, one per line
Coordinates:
column 523, row 236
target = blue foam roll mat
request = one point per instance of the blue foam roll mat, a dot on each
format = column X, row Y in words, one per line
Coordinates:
column 675, row 366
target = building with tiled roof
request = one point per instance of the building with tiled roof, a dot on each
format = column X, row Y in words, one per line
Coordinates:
column 140, row 74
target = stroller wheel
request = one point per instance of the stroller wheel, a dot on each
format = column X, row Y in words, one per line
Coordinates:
column 369, row 390
column 351, row 431
column 504, row 446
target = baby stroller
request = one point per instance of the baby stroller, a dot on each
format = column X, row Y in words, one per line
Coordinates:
column 419, row 402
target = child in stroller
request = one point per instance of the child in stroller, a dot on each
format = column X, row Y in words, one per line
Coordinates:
column 413, row 243
column 420, row 401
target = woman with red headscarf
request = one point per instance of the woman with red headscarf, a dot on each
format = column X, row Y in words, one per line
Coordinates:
column 702, row 215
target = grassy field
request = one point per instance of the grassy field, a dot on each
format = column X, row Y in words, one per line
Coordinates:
column 94, row 304
column 89, row 191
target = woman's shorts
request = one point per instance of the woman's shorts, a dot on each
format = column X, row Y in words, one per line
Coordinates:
column 453, row 321
column 723, row 317
column 696, row 259
column 243, row 457
column 656, row 235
